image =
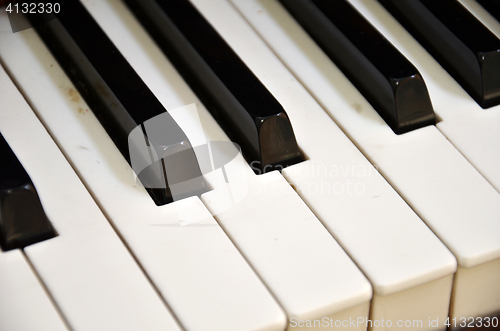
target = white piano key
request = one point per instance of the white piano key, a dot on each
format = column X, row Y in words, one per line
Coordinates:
column 90, row 274
column 337, row 287
column 296, row 257
column 455, row 201
column 388, row 241
column 469, row 282
column 24, row 304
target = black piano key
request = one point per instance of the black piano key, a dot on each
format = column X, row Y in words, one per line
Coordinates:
column 244, row 108
column 492, row 6
column 457, row 40
column 22, row 219
column 122, row 102
column 381, row 73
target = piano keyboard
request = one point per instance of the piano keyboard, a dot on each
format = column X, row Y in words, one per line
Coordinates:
column 372, row 225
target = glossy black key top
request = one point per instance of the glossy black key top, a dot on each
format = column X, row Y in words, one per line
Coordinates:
column 22, row 219
column 122, row 102
column 244, row 108
column 379, row 71
column 492, row 6
column 457, row 40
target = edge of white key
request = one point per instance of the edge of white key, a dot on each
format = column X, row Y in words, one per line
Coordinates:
column 24, row 305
